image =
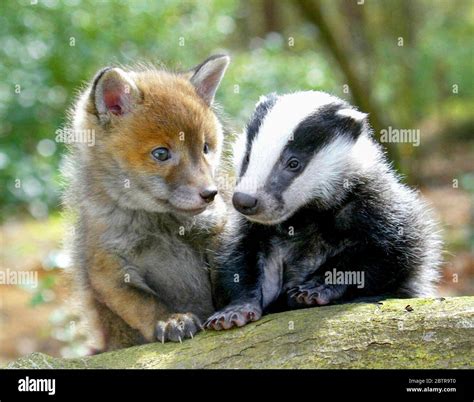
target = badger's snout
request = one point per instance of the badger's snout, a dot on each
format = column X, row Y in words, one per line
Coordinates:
column 245, row 203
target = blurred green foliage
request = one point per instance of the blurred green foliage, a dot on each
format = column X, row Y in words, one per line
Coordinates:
column 48, row 48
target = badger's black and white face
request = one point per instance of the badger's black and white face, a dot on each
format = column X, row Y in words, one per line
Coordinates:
column 298, row 149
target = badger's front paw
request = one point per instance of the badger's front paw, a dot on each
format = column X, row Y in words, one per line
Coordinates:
column 177, row 327
column 315, row 294
column 234, row 315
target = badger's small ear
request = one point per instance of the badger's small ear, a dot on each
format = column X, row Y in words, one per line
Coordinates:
column 207, row 76
column 353, row 120
column 353, row 114
column 113, row 93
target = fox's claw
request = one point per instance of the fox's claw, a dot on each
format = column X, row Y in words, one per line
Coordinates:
column 177, row 328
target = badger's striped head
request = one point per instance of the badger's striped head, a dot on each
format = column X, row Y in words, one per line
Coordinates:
column 298, row 149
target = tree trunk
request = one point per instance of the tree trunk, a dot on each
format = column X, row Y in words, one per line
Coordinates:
column 312, row 12
column 398, row 333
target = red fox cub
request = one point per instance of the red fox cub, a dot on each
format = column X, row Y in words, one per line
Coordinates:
column 145, row 200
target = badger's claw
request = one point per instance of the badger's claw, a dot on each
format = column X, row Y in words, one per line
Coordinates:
column 234, row 315
column 311, row 295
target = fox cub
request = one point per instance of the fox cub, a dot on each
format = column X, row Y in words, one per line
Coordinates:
column 145, row 200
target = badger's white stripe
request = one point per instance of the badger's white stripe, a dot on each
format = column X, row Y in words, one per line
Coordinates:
column 238, row 152
column 275, row 132
column 323, row 177
column 365, row 154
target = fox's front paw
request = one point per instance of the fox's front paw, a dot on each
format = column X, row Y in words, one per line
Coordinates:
column 311, row 294
column 234, row 315
column 177, row 327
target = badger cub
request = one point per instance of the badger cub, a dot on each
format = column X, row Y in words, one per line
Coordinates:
column 146, row 201
column 319, row 206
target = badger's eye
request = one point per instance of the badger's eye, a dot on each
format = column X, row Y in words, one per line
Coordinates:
column 247, row 158
column 293, row 164
column 206, row 148
column 161, row 154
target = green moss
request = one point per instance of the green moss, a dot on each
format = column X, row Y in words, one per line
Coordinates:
column 436, row 333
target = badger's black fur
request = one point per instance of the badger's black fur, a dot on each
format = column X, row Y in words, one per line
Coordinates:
column 335, row 226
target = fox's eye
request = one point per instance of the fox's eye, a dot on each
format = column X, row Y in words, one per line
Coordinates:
column 293, row 164
column 206, row 148
column 161, row 154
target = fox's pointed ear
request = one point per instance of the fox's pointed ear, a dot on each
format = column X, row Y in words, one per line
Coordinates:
column 207, row 76
column 113, row 93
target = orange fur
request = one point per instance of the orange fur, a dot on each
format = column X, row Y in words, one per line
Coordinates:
column 167, row 113
column 170, row 115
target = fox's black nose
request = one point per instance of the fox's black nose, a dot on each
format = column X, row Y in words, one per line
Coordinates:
column 208, row 194
column 245, row 203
